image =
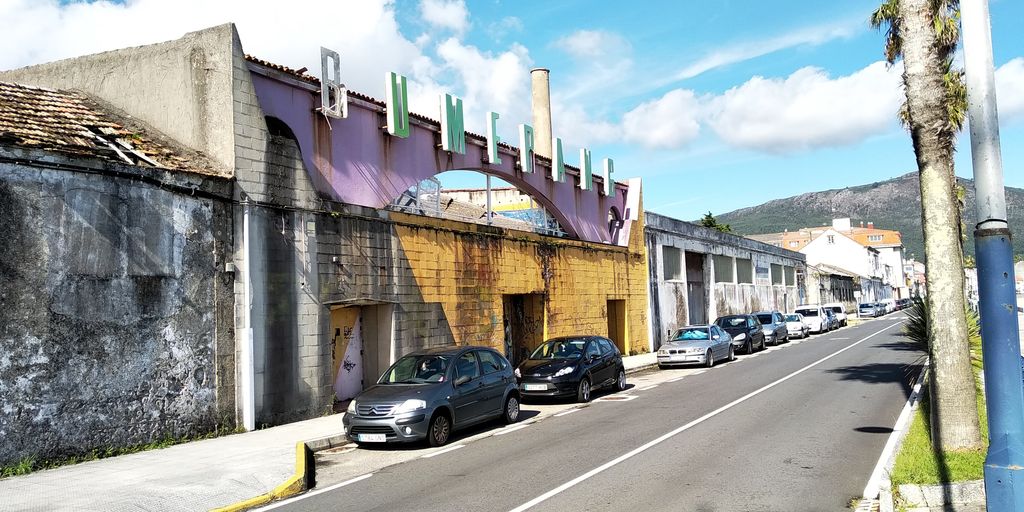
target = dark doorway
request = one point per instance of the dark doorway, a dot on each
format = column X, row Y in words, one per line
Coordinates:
column 524, row 325
column 696, row 294
column 617, row 324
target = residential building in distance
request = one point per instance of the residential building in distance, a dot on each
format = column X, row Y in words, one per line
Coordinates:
column 873, row 255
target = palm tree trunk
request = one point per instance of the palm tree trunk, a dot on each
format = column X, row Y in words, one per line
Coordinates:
column 954, row 411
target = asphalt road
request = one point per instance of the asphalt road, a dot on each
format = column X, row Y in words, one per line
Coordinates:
column 798, row 429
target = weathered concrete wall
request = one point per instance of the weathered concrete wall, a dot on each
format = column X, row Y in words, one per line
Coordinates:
column 669, row 298
column 115, row 312
column 182, row 88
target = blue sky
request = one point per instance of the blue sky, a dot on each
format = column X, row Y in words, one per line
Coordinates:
column 717, row 105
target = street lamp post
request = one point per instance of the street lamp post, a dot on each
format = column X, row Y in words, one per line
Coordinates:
column 1004, row 464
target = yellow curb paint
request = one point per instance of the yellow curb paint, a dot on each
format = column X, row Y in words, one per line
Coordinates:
column 292, row 486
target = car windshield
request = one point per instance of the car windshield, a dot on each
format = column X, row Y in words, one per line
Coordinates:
column 732, row 321
column 765, row 318
column 867, row 306
column 837, row 309
column 695, row 333
column 792, row 318
column 808, row 312
column 560, row 349
column 417, row 369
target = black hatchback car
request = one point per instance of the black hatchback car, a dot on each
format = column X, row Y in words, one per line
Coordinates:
column 746, row 331
column 571, row 366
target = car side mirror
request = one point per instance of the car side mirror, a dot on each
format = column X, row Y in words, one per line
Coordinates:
column 462, row 380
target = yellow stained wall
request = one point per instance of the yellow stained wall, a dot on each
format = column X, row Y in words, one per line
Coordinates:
column 468, row 268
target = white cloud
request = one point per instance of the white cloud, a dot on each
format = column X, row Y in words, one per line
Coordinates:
column 808, row 109
column 365, row 33
column 588, row 44
column 740, row 52
column 498, row 82
column 446, row 14
column 1009, row 87
column 667, row 122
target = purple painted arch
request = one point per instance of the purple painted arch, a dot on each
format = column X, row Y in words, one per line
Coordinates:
column 355, row 161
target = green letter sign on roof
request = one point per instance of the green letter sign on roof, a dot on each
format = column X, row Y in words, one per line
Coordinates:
column 557, row 161
column 609, row 183
column 453, row 132
column 526, row 147
column 397, row 104
column 586, row 173
column 492, row 138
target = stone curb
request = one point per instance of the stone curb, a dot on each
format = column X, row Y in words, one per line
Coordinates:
column 886, row 500
column 302, row 480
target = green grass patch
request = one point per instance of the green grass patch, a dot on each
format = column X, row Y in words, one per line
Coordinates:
column 31, row 464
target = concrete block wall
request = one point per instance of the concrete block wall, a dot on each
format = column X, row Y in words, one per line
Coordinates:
column 115, row 309
column 669, row 299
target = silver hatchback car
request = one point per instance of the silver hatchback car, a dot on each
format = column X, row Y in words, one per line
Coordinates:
column 430, row 393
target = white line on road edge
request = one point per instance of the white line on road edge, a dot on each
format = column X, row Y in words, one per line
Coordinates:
column 563, row 413
column 675, row 379
column 441, row 452
column 509, row 430
column 871, row 490
column 698, row 372
column 652, row 386
column 670, row 434
column 314, row 493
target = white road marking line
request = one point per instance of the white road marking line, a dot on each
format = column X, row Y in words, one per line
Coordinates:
column 563, row 413
column 672, row 433
column 698, row 372
column 652, row 386
column 617, row 398
column 871, row 490
column 509, row 430
column 840, row 338
column 442, row 452
column 675, row 379
column 315, row 492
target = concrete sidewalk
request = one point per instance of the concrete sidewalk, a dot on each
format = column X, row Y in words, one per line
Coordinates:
column 194, row 476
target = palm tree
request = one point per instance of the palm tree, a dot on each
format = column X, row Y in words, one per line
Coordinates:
column 925, row 33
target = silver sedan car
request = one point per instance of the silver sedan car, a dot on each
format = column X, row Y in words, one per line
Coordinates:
column 697, row 344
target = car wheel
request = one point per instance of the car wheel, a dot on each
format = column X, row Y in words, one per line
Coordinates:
column 511, row 414
column 620, row 381
column 750, row 347
column 709, row 359
column 583, row 392
column 440, row 429
column 662, row 366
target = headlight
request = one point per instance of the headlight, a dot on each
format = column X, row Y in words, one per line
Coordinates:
column 351, row 407
column 409, row 406
column 663, row 351
column 740, row 337
column 518, row 373
column 565, row 371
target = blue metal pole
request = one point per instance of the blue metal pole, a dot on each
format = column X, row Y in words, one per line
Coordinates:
column 1004, row 386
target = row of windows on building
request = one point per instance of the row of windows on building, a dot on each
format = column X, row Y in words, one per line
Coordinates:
column 727, row 269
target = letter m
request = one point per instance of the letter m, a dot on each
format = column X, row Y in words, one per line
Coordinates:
column 453, row 131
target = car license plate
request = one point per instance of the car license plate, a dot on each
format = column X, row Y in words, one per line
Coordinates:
column 535, row 387
column 373, row 438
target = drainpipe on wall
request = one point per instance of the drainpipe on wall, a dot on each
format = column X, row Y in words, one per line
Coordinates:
column 541, row 96
column 248, row 383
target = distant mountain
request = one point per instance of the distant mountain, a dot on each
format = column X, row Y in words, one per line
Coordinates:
column 892, row 204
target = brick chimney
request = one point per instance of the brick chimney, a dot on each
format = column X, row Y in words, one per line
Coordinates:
column 871, row 225
column 861, row 223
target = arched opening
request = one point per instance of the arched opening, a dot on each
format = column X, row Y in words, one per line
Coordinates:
column 472, row 196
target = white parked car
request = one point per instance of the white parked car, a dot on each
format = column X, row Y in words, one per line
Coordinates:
column 814, row 317
column 796, row 326
column 839, row 310
column 890, row 305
